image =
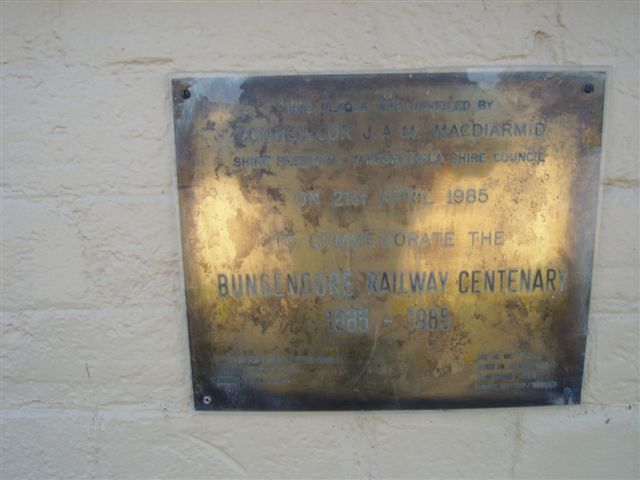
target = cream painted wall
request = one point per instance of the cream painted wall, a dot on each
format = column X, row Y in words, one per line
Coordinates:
column 95, row 364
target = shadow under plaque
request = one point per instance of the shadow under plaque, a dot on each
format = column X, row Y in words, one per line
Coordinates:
column 388, row 241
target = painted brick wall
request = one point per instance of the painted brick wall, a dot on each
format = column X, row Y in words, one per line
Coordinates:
column 95, row 372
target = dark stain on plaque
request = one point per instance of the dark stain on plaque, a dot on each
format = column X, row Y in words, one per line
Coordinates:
column 388, row 241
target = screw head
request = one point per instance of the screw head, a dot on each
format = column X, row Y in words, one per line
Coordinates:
column 186, row 93
column 206, row 399
column 588, row 88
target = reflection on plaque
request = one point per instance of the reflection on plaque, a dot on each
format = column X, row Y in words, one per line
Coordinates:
column 388, row 241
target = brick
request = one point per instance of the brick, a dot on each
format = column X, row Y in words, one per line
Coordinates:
column 131, row 250
column 42, row 260
column 578, row 442
column 615, row 289
column 228, row 445
column 132, row 357
column 612, row 370
column 618, row 242
column 47, row 446
column 450, row 444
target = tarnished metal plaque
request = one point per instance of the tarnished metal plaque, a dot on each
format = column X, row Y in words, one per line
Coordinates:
column 388, row 241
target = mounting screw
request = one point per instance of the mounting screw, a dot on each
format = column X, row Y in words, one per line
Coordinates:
column 567, row 393
column 186, row 93
column 588, row 88
column 206, row 399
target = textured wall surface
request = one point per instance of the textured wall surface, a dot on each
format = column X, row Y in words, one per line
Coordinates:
column 95, row 363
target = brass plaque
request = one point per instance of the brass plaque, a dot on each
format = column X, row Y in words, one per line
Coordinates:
column 388, row 241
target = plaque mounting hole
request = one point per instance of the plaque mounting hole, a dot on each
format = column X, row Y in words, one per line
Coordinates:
column 206, row 400
column 588, row 88
column 186, row 93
